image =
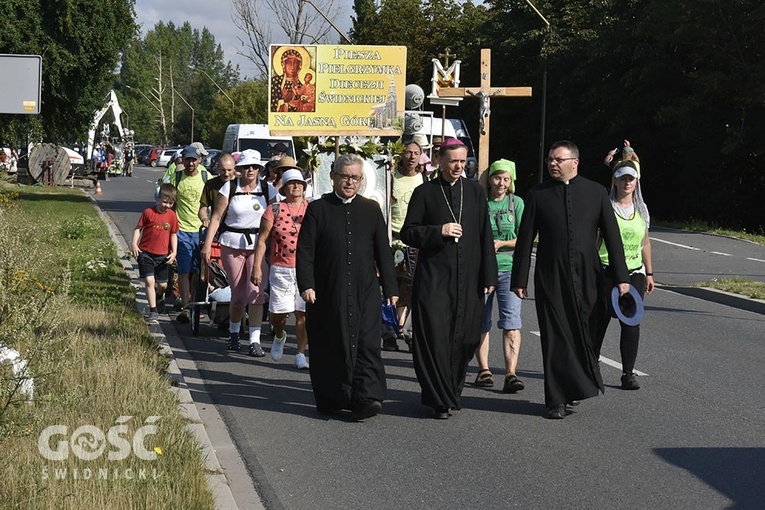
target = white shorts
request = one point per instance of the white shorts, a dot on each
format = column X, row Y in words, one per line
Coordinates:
column 284, row 297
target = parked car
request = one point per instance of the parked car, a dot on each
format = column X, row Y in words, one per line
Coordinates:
column 166, row 157
column 151, row 159
column 142, row 154
column 211, row 160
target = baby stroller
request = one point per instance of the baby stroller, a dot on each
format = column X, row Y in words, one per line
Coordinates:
column 212, row 292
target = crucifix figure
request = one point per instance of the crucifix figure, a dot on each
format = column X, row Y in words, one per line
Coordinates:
column 484, row 93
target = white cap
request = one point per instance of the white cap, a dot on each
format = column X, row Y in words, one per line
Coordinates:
column 250, row 157
column 625, row 170
column 201, row 148
column 291, row 175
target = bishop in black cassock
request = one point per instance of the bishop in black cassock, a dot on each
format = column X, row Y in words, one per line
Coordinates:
column 448, row 222
column 567, row 213
column 343, row 242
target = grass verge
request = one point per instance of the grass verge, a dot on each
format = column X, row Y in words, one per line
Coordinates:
column 742, row 286
column 68, row 308
column 701, row 226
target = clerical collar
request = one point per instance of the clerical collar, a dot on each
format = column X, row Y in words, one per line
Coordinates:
column 345, row 201
column 447, row 182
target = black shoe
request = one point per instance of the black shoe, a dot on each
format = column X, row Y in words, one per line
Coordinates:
column 556, row 412
column 160, row 306
column 365, row 408
column 390, row 345
column 441, row 413
column 629, row 381
column 512, row 384
column 233, row 342
column 256, row 350
column 573, row 403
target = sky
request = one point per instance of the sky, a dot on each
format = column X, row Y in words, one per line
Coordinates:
column 216, row 15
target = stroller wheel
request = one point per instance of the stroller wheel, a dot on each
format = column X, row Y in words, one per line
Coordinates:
column 195, row 315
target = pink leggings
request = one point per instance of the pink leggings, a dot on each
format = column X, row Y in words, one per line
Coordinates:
column 238, row 265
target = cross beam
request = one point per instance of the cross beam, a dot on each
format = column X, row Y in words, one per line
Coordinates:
column 484, row 93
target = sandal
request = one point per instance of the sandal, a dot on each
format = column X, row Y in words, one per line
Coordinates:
column 484, row 379
column 512, row 384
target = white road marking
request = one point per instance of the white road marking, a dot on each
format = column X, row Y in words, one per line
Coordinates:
column 675, row 244
column 755, row 260
column 604, row 360
column 721, row 253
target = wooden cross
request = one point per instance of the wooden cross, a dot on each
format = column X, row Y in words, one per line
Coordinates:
column 484, row 93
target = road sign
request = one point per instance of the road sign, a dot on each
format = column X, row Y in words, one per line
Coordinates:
column 20, row 90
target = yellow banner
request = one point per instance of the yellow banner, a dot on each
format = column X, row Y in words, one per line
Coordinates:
column 336, row 89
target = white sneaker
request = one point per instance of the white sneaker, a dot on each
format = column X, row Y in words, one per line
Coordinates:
column 301, row 362
column 277, row 347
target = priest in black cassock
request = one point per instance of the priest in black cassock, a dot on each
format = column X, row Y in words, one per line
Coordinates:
column 448, row 221
column 343, row 243
column 567, row 212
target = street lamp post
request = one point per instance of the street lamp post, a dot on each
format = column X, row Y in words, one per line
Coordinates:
column 192, row 112
column 145, row 97
column 214, row 83
column 328, row 21
column 544, row 100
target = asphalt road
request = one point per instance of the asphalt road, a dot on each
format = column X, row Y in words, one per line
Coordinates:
column 692, row 437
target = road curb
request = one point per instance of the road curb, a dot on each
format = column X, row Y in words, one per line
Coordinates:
column 217, row 480
column 719, row 297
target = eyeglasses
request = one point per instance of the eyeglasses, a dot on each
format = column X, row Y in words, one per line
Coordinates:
column 557, row 160
column 350, row 178
column 250, row 167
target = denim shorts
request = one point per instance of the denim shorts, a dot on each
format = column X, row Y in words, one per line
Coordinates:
column 509, row 306
column 152, row 265
column 188, row 252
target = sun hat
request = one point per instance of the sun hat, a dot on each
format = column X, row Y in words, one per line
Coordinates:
column 292, row 175
column 286, row 163
column 190, row 151
column 177, row 154
column 201, row 148
column 421, row 140
column 250, row 157
column 627, row 308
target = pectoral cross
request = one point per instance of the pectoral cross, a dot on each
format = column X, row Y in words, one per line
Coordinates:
column 484, row 93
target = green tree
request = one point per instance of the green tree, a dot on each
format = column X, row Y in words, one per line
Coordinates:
column 251, row 100
column 171, row 66
column 364, row 22
column 77, row 73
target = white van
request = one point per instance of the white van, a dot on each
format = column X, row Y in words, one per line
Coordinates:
column 254, row 136
column 454, row 128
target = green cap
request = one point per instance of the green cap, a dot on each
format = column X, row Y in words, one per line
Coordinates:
column 503, row 165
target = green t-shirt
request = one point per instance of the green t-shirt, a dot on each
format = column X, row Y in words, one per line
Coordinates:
column 401, row 192
column 169, row 175
column 187, row 202
column 632, row 231
column 504, row 227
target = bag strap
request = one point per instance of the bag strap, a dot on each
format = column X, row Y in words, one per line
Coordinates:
column 179, row 176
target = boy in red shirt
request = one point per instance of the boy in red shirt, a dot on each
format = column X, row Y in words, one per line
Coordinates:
column 155, row 245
